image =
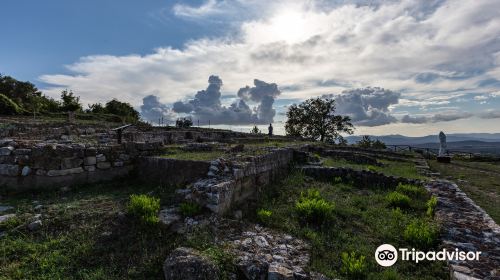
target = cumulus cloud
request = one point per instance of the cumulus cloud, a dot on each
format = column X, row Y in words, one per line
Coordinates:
column 367, row 106
column 206, row 104
column 427, row 50
column 152, row 109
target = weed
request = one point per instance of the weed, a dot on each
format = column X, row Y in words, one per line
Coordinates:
column 396, row 199
column 190, row 209
column 421, row 234
column 264, row 216
column 410, row 190
column 222, row 259
column 353, row 266
column 144, row 207
column 431, row 206
column 337, row 180
column 312, row 208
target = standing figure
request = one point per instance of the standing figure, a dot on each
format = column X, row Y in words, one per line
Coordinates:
column 270, row 130
column 442, row 147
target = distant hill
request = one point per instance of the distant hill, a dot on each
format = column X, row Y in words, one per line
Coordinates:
column 406, row 140
column 472, row 143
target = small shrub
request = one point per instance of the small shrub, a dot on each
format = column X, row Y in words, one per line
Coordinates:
column 410, row 190
column 312, row 208
column 372, row 168
column 431, row 206
column 353, row 267
column 264, row 216
column 222, row 259
column 421, row 234
column 144, row 207
column 400, row 200
column 190, row 209
column 337, row 180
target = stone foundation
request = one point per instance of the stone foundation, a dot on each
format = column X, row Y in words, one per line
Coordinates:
column 467, row 227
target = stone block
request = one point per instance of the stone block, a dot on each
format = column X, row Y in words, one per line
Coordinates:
column 118, row 163
column 64, row 172
column 100, row 158
column 26, row 171
column 22, row 152
column 104, row 165
column 9, row 169
column 90, row 160
column 89, row 168
column 6, row 151
column 91, row 151
column 41, row 172
column 68, row 163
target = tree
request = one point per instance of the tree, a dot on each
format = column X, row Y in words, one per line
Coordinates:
column 315, row 118
column 183, row 122
column 8, row 107
column 96, row 108
column 19, row 92
column 367, row 142
column 122, row 109
column 70, row 102
column 255, row 130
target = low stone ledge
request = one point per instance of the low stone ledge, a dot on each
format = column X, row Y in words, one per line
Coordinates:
column 467, row 227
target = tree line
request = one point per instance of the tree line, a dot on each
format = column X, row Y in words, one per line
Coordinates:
column 23, row 98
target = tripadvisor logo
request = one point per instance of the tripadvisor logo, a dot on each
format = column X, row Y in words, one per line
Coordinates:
column 387, row 255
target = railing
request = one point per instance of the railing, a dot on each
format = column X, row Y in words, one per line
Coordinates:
column 428, row 152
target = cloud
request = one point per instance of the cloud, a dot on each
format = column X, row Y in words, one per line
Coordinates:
column 152, row 110
column 490, row 114
column 440, row 117
column 367, row 106
column 429, row 51
column 206, row 104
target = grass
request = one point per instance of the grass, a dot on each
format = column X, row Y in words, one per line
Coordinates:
column 198, row 156
column 479, row 180
column 359, row 223
column 390, row 168
column 86, row 235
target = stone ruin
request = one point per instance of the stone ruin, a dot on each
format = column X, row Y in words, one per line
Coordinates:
column 32, row 158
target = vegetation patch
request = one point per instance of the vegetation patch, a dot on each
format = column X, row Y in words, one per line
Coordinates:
column 431, row 206
column 411, row 190
column 264, row 216
column 312, row 208
column 421, row 234
column 190, row 209
column 396, row 199
column 359, row 223
column 145, row 208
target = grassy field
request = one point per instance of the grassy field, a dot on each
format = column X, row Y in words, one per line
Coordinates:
column 479, row 180
column 360, row 221
column 392, row 168
column 86, row 235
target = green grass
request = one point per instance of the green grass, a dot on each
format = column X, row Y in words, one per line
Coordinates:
column 144, row 207
column 359, row 223
column 390, row 168
column 85, row 235
column 479, row 180
column 198, row 156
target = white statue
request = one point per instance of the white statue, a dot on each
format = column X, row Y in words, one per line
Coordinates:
column 442, row 148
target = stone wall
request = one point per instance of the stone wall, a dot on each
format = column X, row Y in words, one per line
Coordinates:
column 166, row 171
column 26, row 166
column 466, row 227
column 235, row 184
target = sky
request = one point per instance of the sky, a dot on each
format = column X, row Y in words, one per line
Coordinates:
column 396, row 67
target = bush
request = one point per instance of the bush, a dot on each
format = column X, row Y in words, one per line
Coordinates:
column 400, row 200
column 264, row 216
column 8, row 107
column 312, row 208
column 421, row 234
column 431, row 206
column 410, row 190
column 190, row 209
column 353, row 267
column 337, row 180
column 144, row 207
